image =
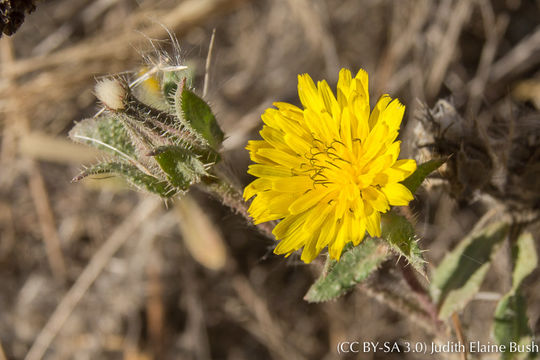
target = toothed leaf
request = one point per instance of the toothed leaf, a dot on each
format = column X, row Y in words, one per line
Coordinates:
column 199, row 116
column 459, row 276
column 400, row 234
column 354, row 266
column 106, row 133
column 183, row 168
column 132, row 174
column 414, row 181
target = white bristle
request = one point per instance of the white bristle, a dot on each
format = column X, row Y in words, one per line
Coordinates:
column 111, row 93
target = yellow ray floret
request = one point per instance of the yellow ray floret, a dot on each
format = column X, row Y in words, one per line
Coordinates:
column 329, row 170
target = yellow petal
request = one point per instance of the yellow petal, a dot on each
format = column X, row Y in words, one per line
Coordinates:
column 346, row 131
column 376, row 199
column 397, row 194
column 378, row 164
column 308, row 93
column 392, row 115
column 373, row 224
column 292, row 184
column 407, row 166
column 374, row 142
column 398, row 172
column 254, row 145
column 277, row 120
column 327, row 96
column 363, row 79
column 368, row 209
column 291, row 243
column 294, row 238
column 358, row 231
column 257, row 185
column 283, row 106
column 279, row 204
column 361, row 101
column 342, row 205
column 297, row 144
column 273, row 137
column 281, row 157
column 343, row 86
column 310, row 250
column 336, row 248
column 269, row 171
column 383, row 101
column 393, row 150
column 309, row 199
column 316, row 217
column 280, row 230
column 328, row 232
column 357, row 207
column 318, row 125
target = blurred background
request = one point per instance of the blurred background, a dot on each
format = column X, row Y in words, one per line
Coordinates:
column 94, row 270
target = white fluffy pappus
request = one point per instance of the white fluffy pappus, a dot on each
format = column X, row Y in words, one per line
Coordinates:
column 111, row 93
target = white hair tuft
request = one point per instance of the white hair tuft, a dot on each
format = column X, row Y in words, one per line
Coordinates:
column 111, row 93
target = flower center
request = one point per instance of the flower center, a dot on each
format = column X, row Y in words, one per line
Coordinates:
column 337, row 165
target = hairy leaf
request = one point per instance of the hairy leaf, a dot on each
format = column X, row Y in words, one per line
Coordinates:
column 132, row 174
column 199, row 116
column 183, row 168
column 171, row 79
column 400, row 234
column 459, row 276
column 106, row 133
column 354, row 267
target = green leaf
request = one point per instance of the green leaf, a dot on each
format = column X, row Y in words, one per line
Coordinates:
column 510, row 324
column 355, row 266
column 133, row 175
column 459, row 276
column 401, row 236
column 171, row 79
column 199, row 116
column 106, row 133
column 525, row 259
column 183, row 168
column 414, row 181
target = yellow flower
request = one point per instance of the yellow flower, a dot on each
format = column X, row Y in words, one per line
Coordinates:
column 328, row 170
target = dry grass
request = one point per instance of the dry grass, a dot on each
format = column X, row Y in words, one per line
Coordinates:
column 99, row 272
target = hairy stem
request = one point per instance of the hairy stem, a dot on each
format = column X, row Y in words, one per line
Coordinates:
column 421, row 295
column 230, row 194
column 401, row 305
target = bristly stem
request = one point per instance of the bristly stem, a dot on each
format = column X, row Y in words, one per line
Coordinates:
column 421, row 294
column 230, row 195
column 401, row 305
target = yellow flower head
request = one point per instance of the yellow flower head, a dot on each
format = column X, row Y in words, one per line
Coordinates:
column 328, row 170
